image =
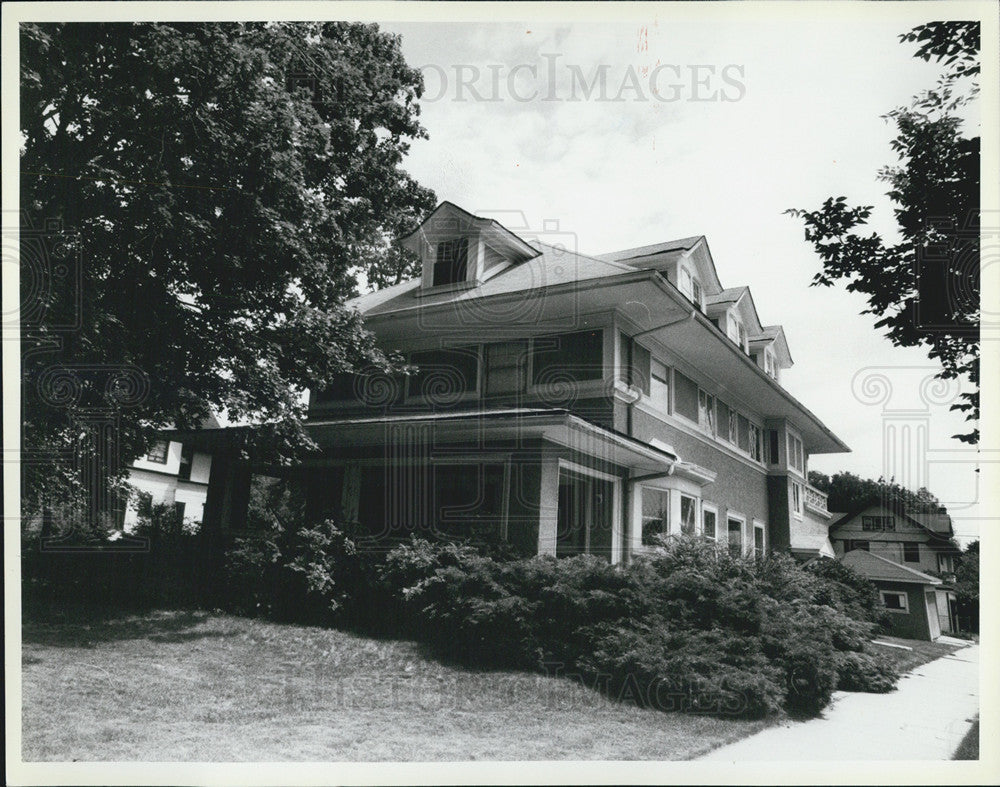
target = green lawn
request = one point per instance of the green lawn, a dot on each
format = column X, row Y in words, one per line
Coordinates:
column 181, row 686
column 922, row 652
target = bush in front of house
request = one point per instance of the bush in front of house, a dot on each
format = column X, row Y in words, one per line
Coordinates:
column 688, row 628
column 865, row 672
column 301, row 574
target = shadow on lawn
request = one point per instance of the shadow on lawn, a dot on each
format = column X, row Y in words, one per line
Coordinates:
column 85, row 626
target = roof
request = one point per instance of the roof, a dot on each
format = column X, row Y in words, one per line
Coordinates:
column 555, row 265
column 728, row 295
column 681, row 244
column 937, row 524
column 880, row 568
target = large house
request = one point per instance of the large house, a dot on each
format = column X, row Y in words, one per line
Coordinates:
column 916, row 543
column 562, row 403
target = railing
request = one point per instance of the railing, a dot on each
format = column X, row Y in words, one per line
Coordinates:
column 816, row 501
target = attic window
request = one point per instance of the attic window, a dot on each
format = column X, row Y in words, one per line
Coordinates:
column 451, row 264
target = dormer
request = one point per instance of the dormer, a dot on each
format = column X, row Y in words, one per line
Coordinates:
column 770, row 350
column 458, row 249
column 729, row 310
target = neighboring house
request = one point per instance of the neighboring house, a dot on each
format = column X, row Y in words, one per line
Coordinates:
column 910, row 596
column 564, row 403
column 173, row 473
column 920, row 541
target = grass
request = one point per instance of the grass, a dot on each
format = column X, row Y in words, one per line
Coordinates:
column 922, row 652
column 197, row 686
column 968, row 749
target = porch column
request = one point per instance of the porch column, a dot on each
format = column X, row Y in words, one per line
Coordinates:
column 548, row 506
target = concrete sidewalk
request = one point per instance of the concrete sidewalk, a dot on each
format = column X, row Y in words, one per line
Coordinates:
column 924, row 719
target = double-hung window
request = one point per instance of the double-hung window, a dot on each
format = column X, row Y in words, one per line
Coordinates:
column 706, row 412
column 655, row 515
column 689, row 514
column 797, row 498
column 452, row 261
column 659, row 385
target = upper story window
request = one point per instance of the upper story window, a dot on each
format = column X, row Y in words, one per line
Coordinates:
column 451, row 263
column 878, row 523
column 769, row 364
column 706, row 411
column 796, row 457
column 158, row 452
column 568, row 357
column 685, row 396
column 187, row 460
column 444, row 375
column 737, row 332
column 659, row 385
column 689, row 285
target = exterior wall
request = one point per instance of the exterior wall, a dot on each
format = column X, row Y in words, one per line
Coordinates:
column 739, row 487
column 913, row 624
column 780, row 511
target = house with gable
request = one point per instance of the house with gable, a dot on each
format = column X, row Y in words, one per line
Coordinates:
column 562, row 402
column 922, row 542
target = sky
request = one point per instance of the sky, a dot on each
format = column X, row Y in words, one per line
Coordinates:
column 752, row 116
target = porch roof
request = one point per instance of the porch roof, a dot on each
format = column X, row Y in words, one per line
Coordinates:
column 556, row 426
column 878, row 567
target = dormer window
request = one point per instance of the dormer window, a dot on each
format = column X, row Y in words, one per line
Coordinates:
column 451, row 264
column 689, row 286
column 737, row 333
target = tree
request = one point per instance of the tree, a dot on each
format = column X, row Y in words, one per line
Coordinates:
column 209, row 195
column 967, row 574
column 925, row 289
column 849, row 492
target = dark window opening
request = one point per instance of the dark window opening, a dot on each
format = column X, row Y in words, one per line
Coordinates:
column 685, row 396
column 158, row 453
column 911, row 552
column 443, row 376
column 187, row 458
column 451, row 265
column 567, row 358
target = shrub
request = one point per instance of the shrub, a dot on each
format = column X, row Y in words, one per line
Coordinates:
column 865, row 672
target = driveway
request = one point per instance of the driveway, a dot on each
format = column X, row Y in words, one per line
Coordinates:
column 924, row 719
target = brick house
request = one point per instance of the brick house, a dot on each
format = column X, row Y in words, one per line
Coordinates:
column 563, row 403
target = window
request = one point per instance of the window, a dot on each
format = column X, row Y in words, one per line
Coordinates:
column 769, row 365
column 735, row 532
column 743, row 433
column 708, row 521
column 451, row 264
column 468, row 499
column 655, row 514
column 726, row 432
column 187, row 457
column 755, row 450
column 797, row 498
column 733, row 328
column 158, row 452
column 850, row 546
column 742, row 332
column 758, row 540
column 893, row 601
column 696, row 292
column 795, row 452
column 635, row 363
column 659, row 385
column 911, row 552
column 945, row 564
column 685, row 397
column 878, row 523
column 568, row 357
column 706, row 412
column 684, row 283
column 689, row 514
column 772, row 446
column 444, row 376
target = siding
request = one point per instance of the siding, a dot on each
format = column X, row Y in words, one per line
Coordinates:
column 912, row 624
column 888, row 544
column 738, row 487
